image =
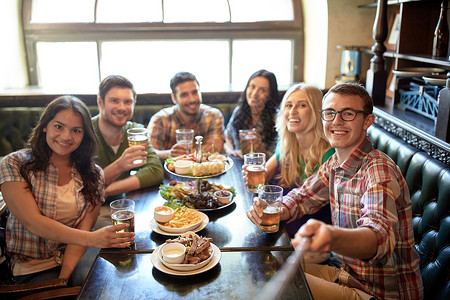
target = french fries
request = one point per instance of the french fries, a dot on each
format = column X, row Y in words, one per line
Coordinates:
column 183, row 217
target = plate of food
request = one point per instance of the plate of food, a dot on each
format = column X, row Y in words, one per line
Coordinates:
column 200, row 258
column 184, row 219
column 198, row 252
column 187, row 167
column 155, row 226
column 419, row 71
column 187, row 194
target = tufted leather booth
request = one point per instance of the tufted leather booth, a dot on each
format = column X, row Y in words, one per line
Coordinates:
column 429, row 186
column 16, row 122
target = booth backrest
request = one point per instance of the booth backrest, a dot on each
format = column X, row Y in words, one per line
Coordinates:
column 428, row 181
column 16, row 123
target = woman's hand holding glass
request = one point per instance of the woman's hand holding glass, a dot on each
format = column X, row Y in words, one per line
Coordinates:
column 111, row 237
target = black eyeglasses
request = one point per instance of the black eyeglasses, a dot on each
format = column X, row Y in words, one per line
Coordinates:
column 329, row 115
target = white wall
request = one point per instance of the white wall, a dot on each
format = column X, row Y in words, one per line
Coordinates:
column 329, row 23
column 12, row 51
column 315, row 27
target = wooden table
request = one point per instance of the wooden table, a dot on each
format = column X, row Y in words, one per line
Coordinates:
column 249, row 257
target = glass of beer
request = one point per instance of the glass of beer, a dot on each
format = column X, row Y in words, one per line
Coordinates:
column 247, row 139
column 137, row 137
column 271, row 197
column 256, row 173
column 122, row 211
column 185, row 137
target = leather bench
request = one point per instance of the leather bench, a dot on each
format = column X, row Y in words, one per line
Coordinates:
column 429, row 185
column 16, row 122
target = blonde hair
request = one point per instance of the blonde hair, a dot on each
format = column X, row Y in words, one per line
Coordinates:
column 290, row 157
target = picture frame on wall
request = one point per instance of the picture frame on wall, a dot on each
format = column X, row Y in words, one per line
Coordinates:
column 394, row 31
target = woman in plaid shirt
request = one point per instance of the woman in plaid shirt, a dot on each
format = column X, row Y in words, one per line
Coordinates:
column 54, row 190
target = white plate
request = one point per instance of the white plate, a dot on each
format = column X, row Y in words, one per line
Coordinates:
column 155, row 227
column 228, row 164
column 156, row 261
column 186, row 267
column 435, row 79
column 408, row 72
column 181, row 230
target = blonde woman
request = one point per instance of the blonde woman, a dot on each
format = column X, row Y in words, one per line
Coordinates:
column 302, row 145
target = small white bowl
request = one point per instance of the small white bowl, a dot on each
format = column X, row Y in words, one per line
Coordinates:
column 163, row 214
column 183, row 167
column 217, row 157
column 223, row 196
column 173, row 253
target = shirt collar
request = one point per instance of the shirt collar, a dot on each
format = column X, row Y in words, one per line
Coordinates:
column 353, row 163
column 198, row 117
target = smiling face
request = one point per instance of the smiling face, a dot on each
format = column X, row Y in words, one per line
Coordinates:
column 64, row 133
column 258, row 91
column 188, row 97
column 345, row 136
column 297, row 113
column 117, row 107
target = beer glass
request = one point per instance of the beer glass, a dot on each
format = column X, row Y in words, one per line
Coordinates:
column 137, row 137
column 247, row 139
column 185, row 137
column 122, row 211
column 255, row 167
column 271, row 197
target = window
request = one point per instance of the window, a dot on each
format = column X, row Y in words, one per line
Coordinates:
column 75, row 43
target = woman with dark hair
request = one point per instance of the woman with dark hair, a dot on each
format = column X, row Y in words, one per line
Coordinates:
column 256, row 110
column 54, row 191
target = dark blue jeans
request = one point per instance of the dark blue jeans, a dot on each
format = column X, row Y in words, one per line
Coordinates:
column 49, row 274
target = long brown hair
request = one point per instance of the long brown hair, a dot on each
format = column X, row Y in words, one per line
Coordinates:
column 82, row 157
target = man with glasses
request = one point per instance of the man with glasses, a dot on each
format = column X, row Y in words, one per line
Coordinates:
column 370, row 207
column 189, row 113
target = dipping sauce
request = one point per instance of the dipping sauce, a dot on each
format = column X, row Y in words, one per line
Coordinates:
column 173, row 253
column 164, row 210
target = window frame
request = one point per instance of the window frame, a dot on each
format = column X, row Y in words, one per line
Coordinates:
column 100, row 32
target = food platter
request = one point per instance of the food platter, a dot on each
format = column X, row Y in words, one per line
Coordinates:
column 158, row 264
column 178, row 193
column 436, row 79
column 154, row 226
column 188, row 267
column 228, row 165
column 409, row 72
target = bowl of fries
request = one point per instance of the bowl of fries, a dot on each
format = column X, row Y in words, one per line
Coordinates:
column 184, row 219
